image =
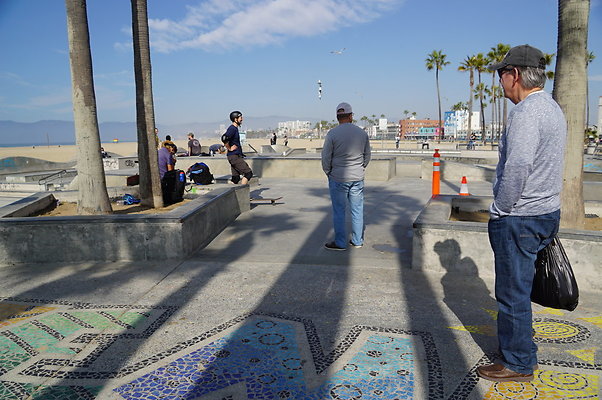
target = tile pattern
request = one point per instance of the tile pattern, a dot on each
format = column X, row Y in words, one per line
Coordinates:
column 264, row 356
column 28, row 330
column 550, row 381
column 548, row 385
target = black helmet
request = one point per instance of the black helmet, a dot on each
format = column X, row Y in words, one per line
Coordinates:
column 234, row 115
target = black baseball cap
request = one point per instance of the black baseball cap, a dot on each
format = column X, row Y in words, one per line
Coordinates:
column 521, row 56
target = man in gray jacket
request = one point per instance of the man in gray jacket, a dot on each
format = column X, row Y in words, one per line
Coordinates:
column 525, row 213
column 345, row 156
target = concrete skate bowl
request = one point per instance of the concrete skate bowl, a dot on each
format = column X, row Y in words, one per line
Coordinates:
column 16, row 165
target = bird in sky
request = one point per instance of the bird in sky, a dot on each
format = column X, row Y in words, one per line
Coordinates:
column 338, row 51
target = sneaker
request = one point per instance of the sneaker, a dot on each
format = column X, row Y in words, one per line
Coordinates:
column 333, row 246
column 357, row 246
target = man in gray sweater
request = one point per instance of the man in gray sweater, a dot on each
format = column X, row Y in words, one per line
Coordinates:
column 345, row 156
column 525, row 213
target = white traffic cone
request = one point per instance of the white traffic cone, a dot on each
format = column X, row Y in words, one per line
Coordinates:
column 464, row 187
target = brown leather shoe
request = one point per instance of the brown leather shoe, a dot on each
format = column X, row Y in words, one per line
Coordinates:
column 499, row 373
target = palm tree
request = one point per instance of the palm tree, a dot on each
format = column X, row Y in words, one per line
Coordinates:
column 548, row 60
column 92, row 195
column 436, row 60
column 570, row 87
column 468, row 65
column 480, row 65
column 460, row 106
column 150, row 182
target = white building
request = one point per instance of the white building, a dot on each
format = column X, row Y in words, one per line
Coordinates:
column 456, row 123
column 293, row 128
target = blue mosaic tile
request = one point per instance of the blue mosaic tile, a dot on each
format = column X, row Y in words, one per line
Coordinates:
column 266, row 358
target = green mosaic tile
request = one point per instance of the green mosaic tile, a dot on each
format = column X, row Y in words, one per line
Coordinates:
column 39, row 339
column 56, row 393
column 60, row 324
column 10, row 361
column 7, row 346
column 131, row 318
column 95, row 319
column 6, row 394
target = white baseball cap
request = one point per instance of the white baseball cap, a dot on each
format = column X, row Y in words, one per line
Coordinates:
column 344, row 108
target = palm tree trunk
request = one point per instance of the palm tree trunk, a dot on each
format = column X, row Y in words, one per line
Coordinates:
column 493, row 108
column 92, row 188
column 439, row 104
column 150, row 183
column 470, row 104
column 570, row 85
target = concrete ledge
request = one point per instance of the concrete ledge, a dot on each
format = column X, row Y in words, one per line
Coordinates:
column 379, row 169
column 172, row 235
column 442, row 245
column 28, row 205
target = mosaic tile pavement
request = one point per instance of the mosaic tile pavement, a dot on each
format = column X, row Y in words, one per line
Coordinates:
column 264, row 357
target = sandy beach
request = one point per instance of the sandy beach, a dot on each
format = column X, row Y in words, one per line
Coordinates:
column 65, row 153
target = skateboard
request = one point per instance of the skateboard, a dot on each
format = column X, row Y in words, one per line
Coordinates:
column 272, row 200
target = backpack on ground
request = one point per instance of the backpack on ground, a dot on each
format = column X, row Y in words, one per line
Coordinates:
column 172, row 186
column 200, row 174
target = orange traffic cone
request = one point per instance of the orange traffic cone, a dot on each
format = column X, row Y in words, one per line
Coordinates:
column 464, row 187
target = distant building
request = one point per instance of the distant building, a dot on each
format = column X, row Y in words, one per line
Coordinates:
column 419, row 128
column 384, row 130
column 293, row 128
column 456, row 124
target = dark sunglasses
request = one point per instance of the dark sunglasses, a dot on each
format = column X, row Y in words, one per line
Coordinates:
column 502, row 71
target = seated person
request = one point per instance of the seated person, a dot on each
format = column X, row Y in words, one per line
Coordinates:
column 167, row 161
column 103, row 153
column 194, row 146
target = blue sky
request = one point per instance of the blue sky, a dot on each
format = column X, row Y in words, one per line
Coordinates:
column 264, row 57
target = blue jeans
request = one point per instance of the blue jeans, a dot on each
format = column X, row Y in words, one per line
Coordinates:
column 515, row 241
column 340, row 193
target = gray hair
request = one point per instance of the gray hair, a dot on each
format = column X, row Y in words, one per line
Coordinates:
column 532, row 77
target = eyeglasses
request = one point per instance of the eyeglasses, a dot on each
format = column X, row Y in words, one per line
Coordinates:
column 502, row 71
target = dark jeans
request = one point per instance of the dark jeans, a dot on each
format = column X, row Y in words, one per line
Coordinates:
column 515, row 242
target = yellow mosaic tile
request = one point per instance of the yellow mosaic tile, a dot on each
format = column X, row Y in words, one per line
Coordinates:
column 492, row 313
column 595, row 320
column 13, row 313
column 554, row 330
column 548, row 310
column 488, row 330
column 547, row 385
column 586, row 355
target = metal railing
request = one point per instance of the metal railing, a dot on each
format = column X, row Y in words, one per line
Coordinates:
column 52, row 177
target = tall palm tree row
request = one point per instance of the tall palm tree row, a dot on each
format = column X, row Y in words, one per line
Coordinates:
column 480, row 65
column 437, row 60
column 469, row 65
column 92, row 188
column 496, row 54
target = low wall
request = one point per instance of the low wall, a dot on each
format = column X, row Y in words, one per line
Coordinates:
column 118, row 237
column 442, row 245
column 379, row 169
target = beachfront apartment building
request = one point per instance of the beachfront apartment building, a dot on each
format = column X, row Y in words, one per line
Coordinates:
column 293, row 128
column 456, row 124
column 419, row 128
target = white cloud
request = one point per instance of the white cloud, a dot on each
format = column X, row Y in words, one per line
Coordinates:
column 14, row 78
column 595, row 78
column 225, row 24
